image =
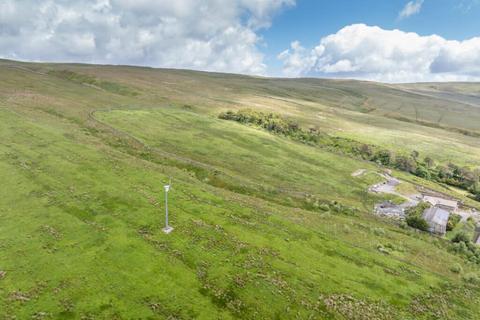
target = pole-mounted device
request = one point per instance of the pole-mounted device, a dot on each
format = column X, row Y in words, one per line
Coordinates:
column 167, row 228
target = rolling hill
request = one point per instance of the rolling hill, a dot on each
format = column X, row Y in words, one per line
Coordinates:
column 266, row 227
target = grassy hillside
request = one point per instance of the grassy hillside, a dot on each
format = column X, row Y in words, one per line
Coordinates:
column 265, row 227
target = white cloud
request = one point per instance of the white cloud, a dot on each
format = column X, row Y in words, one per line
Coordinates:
column 411, row 8
column 296, row 60
column 365, row 52
column 200, row 34
column 466, row 5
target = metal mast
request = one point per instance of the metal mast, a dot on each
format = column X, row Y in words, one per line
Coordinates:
column 167, row 228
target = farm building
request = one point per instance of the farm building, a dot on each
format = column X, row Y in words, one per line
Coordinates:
column 437, row 219
column 449, row 205
column 476, row 236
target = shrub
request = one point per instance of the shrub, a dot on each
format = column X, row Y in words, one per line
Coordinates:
column 406, row 164
column 472, row 278
column 384, row 157
column 414, row 216
column 393, row 247
column 324, row 207
column 379, row 231
column 346, row 229
column 423, row 172
column 366, row 151
column 461, row 236
column 382, row 249
column 453, row 220
column 456, row 268
column 477, row 197
column 417, row 222
column 460, row 247
column 429, row 162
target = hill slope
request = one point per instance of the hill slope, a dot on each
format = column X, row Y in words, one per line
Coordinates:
column 265, row 227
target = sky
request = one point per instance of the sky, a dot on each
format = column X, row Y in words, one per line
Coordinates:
column 379, row 40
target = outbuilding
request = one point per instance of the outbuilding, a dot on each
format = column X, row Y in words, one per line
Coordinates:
column 476, row 236
column 449, row 205
column 437, row 219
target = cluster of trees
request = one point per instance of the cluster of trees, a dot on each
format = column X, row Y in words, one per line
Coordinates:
column 273, row 123
column 414, row 216
column 462, row 244
column 451, row 174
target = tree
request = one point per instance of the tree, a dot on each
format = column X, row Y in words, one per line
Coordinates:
column 417, row 222
column 366, row 151
column 468, row 177
column 384, row 157
column 444, row 172
column 405, row 164
column 423, row 172
column 475, row 188
column 415, row 216
column 429, row 162
column 461, row 236
column 415, row 154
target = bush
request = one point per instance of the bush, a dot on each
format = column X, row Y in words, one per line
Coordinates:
column 346, row 229
column 456, row 268
column 453, row 220
column 472, row 278
column 423, row 172
column 366, row 151
column 324, row 207
column 417, row 222
column 338, row 208
column 461, row 236
column 477, row 197
column 382, row 249
column 406, row 164
column 461, row 244
column 414, row 216
column 384, row 157
column 429, row 162
column 460, row 247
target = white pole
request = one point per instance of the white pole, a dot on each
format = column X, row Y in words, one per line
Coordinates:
column 167, row 228
column 166, row 208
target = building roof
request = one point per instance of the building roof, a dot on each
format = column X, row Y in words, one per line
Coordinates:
column 434, row 201
column 436, row 215
column 478, row 240
column 476, row 236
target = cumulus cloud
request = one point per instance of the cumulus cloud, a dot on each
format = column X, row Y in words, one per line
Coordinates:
column 201, row 34
column 365, row 52
column 411, row 8
column 297, row 60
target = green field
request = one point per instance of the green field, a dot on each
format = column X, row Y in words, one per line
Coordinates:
column 265, row 227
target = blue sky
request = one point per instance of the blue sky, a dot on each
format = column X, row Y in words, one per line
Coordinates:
column 310, row 20
column 288, row 38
